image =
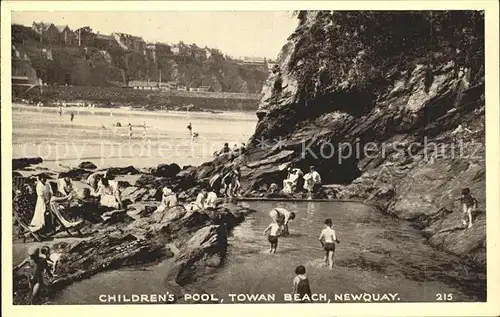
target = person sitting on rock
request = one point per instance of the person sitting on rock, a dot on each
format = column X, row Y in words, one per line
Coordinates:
column 469, row 203
column 290, row 183
column 198, row 204
column 282, row 216
column 64, row 186
column 312, row 181
column 108, row 194
column 94, row 180
column 225, row 150
column 168, row 200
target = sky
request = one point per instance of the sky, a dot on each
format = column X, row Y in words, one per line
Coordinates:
column 235, row 33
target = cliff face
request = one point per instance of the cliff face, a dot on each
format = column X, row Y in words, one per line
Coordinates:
column 389, row 107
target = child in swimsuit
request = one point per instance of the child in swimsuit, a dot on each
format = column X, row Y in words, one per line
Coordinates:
column 274, row 232
column 301, row 282
column 468, row 203
column 328, row 238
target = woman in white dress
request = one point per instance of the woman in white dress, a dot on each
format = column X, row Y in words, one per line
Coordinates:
column 43, row 192
column 168, row 200
column 108, row 194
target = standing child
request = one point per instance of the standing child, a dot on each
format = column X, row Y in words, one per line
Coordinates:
column 328, row 238
column 468, row 203
column 274, row 232
column 301, row 282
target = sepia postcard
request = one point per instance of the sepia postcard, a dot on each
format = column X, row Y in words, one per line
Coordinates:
column 323, row 158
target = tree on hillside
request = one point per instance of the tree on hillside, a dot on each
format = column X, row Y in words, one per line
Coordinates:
column 85, row 36
column 22, row 34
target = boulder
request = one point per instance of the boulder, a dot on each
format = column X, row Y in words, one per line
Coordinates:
column 129, row 170
column 87, row 165
column 21, row 163
column 166, row 170
column 206, row 248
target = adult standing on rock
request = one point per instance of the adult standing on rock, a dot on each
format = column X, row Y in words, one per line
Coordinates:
column 43, row 192
column 282, row 216
column 312, row 181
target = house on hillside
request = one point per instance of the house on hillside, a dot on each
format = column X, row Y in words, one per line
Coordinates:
column 104, row 41
column 67, row 37
column 130, row 42
column 48, row 32
column 85, row 36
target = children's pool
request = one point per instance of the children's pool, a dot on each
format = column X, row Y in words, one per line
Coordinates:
column 377, row 255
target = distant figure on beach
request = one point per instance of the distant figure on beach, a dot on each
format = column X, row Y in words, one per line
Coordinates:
column 328, row 238
column 72, row 116
column 282, row 216
column 60, row 111
column 274, row 232
column 110, row 113
column 301, row 285
column 129, row 130
column 190, row 128
column 469, row 204
column 144, row 132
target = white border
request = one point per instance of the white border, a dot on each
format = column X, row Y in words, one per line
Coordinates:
column 491, row 308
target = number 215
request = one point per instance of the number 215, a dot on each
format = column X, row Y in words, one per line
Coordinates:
column 444, row 296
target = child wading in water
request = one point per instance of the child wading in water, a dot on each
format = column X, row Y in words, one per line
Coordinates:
column 468, row 203
column 328, row 238
column 301, row 283
column 274, row 232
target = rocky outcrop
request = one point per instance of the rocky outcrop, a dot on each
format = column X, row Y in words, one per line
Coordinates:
column 388, row 120
column 21, row 163
column 166, row 170
column 87, row 165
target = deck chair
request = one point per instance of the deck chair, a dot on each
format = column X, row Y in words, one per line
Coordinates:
column 18, row 185
column 66, row 225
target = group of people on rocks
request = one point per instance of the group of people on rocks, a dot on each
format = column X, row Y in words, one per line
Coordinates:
column 311, row 182
column 226, row 151
column 52, row 198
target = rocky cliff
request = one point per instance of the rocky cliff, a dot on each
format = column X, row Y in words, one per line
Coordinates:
column 389, row 107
